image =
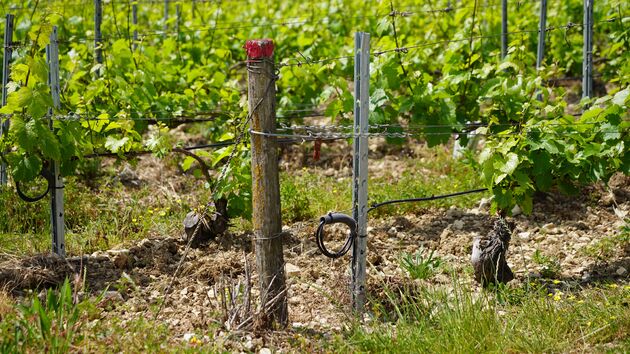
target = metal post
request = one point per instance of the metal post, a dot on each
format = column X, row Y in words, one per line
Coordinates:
column 504, row 28
column 587, row 64
column 134, row 21
column 177, row 19
column 360, row 171
column 165, row 14
column 266, row 216
column 56, row 200
column 6, row 60
column 98, row 36
column 542, row 31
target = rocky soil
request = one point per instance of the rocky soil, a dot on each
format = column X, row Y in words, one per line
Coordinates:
column 569, row 234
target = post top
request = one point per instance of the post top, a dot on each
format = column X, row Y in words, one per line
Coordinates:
column 259, row 48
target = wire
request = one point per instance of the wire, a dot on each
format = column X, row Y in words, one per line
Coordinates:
column 424, row 199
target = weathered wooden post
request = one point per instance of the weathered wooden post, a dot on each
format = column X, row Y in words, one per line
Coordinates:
column 266, row 216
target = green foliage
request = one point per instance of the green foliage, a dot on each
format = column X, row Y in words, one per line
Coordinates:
column 447, row 77
column 562, row 152
column 295, row 203
column 549, row 267
column 51, row 326
column 421, row 265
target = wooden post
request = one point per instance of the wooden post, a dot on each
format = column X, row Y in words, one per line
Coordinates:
column 6, row 61
column 266, row 216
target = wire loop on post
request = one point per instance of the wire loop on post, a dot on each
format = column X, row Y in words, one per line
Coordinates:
column 333, row 218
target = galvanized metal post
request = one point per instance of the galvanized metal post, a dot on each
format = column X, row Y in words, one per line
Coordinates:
column 56, row 200
column 98, row 36
column 134, row 21
column 587, row 64
column 504, row 28
column 177, row 19
column 360, row 171
column 165, row 14
column 542, row 31
column 6, row 60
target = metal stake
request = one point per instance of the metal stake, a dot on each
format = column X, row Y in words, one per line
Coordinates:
column 56, row 200
column 6, row 60
column 98, row 36
column 587, row 64
column 177, row 15
column 542, row 26
column 134, row 21
column 504, row 28
column 165, row 14
column 360, row 172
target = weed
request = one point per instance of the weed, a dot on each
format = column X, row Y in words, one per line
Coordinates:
column 606, row 247
column 295, row 203
column 549, row 266
column 420, row 265
column 50, row 326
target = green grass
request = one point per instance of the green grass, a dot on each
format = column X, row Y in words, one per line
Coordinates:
column 429, row 319
column 95, row 219
column 409, row 317
column 308, row 194
column 101, row 214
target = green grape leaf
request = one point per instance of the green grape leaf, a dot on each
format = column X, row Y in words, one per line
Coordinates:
column 24, row 168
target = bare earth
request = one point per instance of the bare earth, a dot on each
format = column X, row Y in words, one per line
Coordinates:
column 136, row 278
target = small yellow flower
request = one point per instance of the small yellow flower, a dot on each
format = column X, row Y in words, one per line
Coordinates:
column 556, row 281
column 162, row 213
column 571, row 297
column 150, row 211
column 613, row 286
column 558, row 296
column 588, row 323
column 179, row 201
column 134, row 220
column 580, row 301
column 612, row 318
